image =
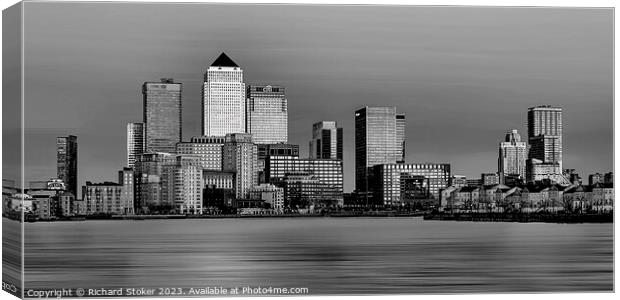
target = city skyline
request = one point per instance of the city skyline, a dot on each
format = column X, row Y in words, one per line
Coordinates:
column 467, row 139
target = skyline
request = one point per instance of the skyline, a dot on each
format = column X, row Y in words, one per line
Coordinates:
column 431, row 136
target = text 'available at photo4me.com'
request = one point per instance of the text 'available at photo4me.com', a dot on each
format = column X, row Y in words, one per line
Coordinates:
column 165, row 291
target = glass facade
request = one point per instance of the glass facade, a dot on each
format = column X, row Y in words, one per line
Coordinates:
column 66, row 162
column 267, row 114
column 326, row 140
column 379, row 139
column 390, row 180
column 135, row 142
column 208, row 148
column 162, row 115
column 223, row 99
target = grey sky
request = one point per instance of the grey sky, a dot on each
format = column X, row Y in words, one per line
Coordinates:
column 463, row 75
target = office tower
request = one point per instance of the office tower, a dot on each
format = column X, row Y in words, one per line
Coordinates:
column 304, row 189
column 182, row 184
column 512, row 155
column 379, row 139
column 126, row 179
column 223, row 98
column 265, row 150
column 544, row 130
column 135, row 142
column 326, row 140
column 67, row 162
column 400, row 136
column 240, row 155
column 162, row 115
column 267, row 114
column 328, row 172
column 208, row 148
column 148, row 173
column 393, row 180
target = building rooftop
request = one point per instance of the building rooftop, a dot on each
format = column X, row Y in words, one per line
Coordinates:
column 224, row 61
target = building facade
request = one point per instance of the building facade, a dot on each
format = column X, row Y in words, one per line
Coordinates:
column 544, row 130
column 512, row 155
column 379, row 139
column 240, row 156
column 127, row 180
column 270, row 194
column 326, row 140
column 103, row 198
column 162, row 115
column 389, row 180
column 67, row 162
column 267, row 114
column 207, row 148
column 223, row 98
column 182, row 184
column 135, row 142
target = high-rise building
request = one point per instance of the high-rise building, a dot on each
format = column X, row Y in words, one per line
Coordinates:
column 391, row 180
column 67, row 162
column 127, row 180
column 544, row 130
column 148, row 172
column 240, row 155
column 208, row 148
column 267, row 114
column 135, row 142
column 162, row 115
column 326, row 140
column 379, row 139
column 512, row 155
column 182, row 184
column 223, row 98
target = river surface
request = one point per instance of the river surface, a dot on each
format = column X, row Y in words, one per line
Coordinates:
column 325, row 255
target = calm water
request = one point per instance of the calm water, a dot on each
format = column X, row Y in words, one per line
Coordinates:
column 326, row 255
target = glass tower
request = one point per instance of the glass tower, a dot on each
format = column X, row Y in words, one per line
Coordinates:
column 267, row 114
column 326, row 140
column 135, row 142
column 162, row 115
column 66, row 162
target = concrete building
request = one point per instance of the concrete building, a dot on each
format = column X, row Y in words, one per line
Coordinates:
column 538, row 170
column 135, row 142
column 267, row 114
column 162, row 115
column 103, row 198
column 148, row 172
column 389, row 180
column 326, row 141
column 240, row 156
column 67, row 162
column 208, row 148
column 127, row 180
column 490, row 178
column 270, row 194
column 379, row 139
column 182, row 184
column 223, row 98
column 512, row 155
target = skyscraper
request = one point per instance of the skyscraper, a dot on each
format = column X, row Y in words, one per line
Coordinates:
column 66, row 162
column 267, row 114
column 162, row 115
column 512, row 155
column 326, row 140
column 379, row 139
column 223, row 98
column 240, row 155
column 135, row 142
column 544, row 130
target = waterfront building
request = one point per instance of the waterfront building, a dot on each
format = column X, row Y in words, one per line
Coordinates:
column 326, row 140
column 512, row 155
column 223, row 98
column 148, row 172
column 304, row 189
column 182, row 184
column 162, row 115
column 379, row 139
column 103, row 198
column 538, row 170
column 67, row 162
column 267, row 114
column 208, row 148
column 326, row 171
column 67, row 204
column 265, row 150
column 45, row 203
column 127, row 180
column 270, row 194
column 135, row 142
column 389, row 180
column 544, row 130
column 240, row 156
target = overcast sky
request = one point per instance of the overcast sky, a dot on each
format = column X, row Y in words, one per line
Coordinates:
column 462, row 75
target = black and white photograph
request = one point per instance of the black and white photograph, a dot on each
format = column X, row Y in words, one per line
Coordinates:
column 188, row 149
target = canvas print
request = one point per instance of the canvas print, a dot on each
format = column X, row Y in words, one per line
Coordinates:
column 204, row 149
